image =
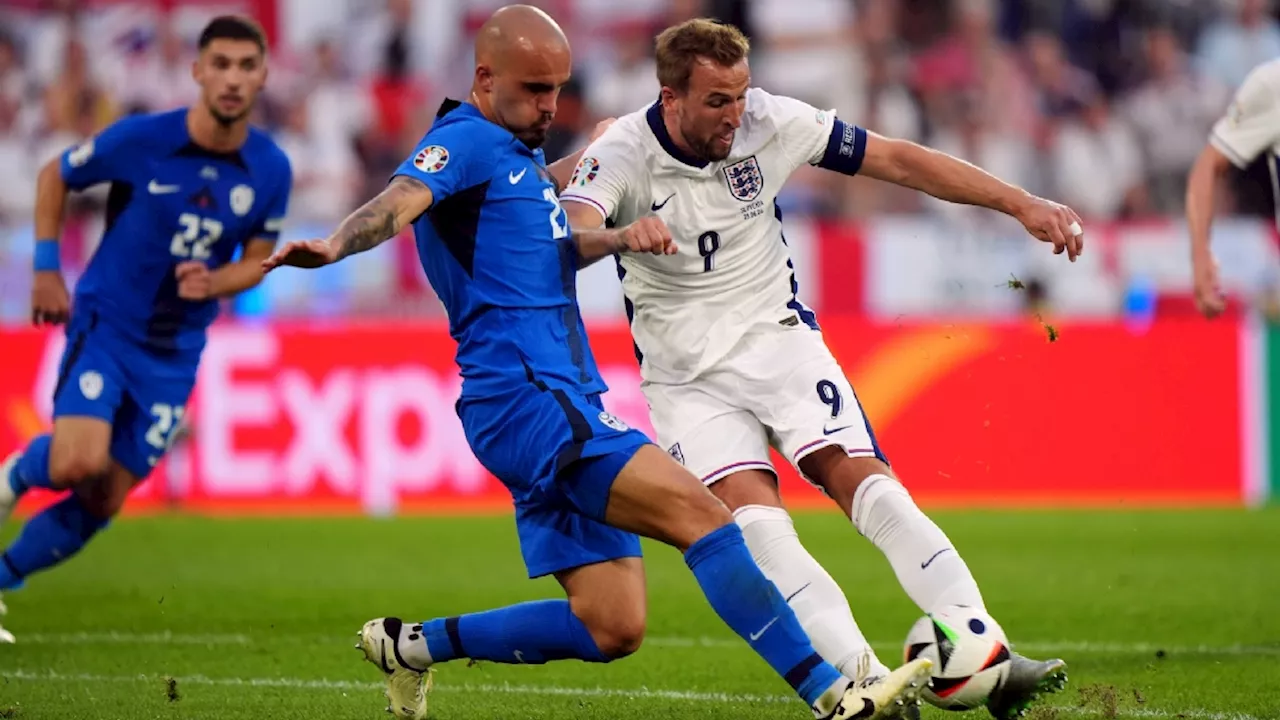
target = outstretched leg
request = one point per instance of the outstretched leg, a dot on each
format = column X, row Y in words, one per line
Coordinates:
column 924, row 559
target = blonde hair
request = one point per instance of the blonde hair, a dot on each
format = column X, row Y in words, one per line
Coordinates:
column 680, row 46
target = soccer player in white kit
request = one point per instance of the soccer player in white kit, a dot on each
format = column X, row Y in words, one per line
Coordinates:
column 1250, row 127
column 732, row 361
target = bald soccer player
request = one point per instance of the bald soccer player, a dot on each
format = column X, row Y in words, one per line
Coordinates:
column 498, row 250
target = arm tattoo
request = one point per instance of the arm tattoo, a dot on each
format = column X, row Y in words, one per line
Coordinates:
column 377, row 220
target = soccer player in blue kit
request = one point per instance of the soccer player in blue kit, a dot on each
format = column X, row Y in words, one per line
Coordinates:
column 190, row 189
column 495, row 244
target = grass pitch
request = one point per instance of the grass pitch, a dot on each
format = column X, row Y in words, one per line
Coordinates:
column 1159, row 615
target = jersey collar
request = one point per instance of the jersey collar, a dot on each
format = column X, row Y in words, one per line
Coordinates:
column 659, row 128
column 467, row 111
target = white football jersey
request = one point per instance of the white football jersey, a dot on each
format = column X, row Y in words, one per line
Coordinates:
column 733, row 269
column 1252, row 123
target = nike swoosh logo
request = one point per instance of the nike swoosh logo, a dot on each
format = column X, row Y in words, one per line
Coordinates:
column 798, row 591
column 833, row 431
column 760, row 633
column 655, row 207
column 929, row 562
column 156, row 188
column 515, row 178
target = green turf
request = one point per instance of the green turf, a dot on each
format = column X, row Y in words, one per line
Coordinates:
column 260, row 618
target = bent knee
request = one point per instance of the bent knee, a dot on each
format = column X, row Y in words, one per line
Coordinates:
column 75, row 467
column 619, row 636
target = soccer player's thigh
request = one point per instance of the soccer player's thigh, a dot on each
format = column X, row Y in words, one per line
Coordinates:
column 718, row 441
column 812, row 412
column 557, row 454
column 87, row 396
column 150, row 414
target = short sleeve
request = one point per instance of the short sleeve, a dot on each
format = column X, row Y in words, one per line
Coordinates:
column 605, row 173
column 803, row 129
column 273, row 218
column 448, row 159
column 110, row 156
column 1252, row 122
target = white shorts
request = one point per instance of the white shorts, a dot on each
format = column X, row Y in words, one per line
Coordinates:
column 777, row 388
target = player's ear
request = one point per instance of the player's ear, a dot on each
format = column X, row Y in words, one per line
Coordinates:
column 484, row 78
column 668, row 97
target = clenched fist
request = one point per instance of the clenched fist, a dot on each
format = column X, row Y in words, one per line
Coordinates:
column 647, row 235
column 194, row 280
column 49, row 300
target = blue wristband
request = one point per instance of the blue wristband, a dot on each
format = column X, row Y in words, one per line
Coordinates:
column 48, row 258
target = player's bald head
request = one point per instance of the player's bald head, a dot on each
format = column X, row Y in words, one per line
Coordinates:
column 522, row 61
column 519, row 34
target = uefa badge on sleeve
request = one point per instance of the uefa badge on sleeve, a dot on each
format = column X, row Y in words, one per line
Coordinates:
column 588, row 168
column 431, row 159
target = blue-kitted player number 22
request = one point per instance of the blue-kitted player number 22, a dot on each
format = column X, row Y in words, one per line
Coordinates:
column 559, row 223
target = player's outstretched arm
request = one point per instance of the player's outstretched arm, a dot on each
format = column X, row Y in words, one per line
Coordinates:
column 377, row 221
column 949, row 178
column 197, row 282
column 646, row 235
column 1202, row 186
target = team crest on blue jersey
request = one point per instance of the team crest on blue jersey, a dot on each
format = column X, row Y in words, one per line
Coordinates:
column 431, row 159
column 241, row 200
column 745, row 179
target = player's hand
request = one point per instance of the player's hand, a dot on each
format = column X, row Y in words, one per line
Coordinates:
column 600, row 128
column 195, row 281
column 647, row 235
column 1053, row 223
column 1210, row 299
column 303, row 254
column 50, row 303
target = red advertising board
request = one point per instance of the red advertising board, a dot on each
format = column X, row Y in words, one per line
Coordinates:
column 349, row 418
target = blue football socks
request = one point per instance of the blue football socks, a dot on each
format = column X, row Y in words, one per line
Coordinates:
column 530, row 633
column 32, row 469
column 751, row 604
column 57, row 533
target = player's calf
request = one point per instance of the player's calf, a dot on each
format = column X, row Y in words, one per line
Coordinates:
column 925, row 560
column 608, row 598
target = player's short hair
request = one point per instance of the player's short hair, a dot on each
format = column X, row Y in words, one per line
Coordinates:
column 233, row 27
column 680, row 46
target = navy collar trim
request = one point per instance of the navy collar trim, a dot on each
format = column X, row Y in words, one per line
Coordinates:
column 659, row 128
column 468, row 110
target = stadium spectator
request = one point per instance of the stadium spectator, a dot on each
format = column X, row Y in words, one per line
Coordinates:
column 1239, row 42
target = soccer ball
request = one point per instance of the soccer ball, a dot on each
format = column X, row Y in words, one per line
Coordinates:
column 969, row 652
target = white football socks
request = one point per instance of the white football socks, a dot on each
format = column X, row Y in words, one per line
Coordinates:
column 811, row 592
column 925, row 561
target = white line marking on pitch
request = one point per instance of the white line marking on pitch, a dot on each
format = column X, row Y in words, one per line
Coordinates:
column 1050, row 646
column 544, row 690
column 1082, row 647
column 123, row 638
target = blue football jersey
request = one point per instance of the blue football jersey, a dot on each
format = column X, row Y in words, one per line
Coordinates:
column 170, row 201
column 496, row 246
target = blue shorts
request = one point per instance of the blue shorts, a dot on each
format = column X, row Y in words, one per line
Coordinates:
column 142, row 393
column 558, row 452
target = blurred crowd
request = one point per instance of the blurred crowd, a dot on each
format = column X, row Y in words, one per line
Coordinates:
column 1102, row 104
